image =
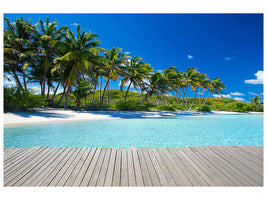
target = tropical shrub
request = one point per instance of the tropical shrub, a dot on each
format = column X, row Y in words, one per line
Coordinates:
column 166, row 107
column 129, row 105
column 17, row 99
column 204, row 108
column 235, row 107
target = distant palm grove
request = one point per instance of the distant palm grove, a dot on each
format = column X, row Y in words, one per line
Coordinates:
column 53, row 56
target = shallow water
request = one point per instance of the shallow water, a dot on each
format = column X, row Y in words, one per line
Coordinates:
column 201, row 130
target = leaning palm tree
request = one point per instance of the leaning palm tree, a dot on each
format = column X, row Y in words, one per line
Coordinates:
column 188, row 79
column 200, row 82
column 134, row 71
column 215, row 86
column 113, row 60
column 158, row 86
column 174, row 80
column 255, row 101
column 18, row 48
column 80, row 53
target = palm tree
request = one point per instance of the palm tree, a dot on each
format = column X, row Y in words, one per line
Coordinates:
column 255, row 101
column 46, row 35
column 188, row 79
column 18, row 48
column 134, row 72
column 158, row 85
column 215, row 86
column 113, row 60
column 200, row 81
column 80, row 54
column 204, row 80
column 174, row 80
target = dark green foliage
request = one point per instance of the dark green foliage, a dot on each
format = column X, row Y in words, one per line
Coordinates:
column 130, row 105
column 167, row 108
column 97, row 106
column 237, row 107
column 17, row 99
column 204, row 108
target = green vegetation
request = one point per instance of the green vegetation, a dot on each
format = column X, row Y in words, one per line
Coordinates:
column 54, row 56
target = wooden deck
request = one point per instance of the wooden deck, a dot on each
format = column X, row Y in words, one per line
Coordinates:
column 95, row 166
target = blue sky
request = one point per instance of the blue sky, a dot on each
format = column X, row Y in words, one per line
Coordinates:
column 228, row 46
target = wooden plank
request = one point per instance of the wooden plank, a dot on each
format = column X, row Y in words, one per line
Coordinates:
column 164, row 167
column 111, row 166
column 16, row 176
column 151, row 170
column 88, row 174
column 213, row 166
column 64, row 168
column 131, row 173
column 254, row 155
column 180, row 162
column 159, row 172
column 70, row 169
column 97, row 169
column 144, row 168
column 117, row 169
column 78, row 167
column 21, row 160
column 84, row 168
column 183, row 180
column 124, row 171
column 30, row 176
column 45, row 173
column 104, row 168
column 203, row 168
column 55, row 171
column 235, row 168
column 137, row 168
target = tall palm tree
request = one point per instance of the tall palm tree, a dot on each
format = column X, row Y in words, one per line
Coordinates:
column 134, row 72
column 215, row 86
column 200, row 81
column 18, row 48
column 113, row 60
column 204, row 80
column 80, row 53
column 46, row 35
column 174, row 80
column 188, row 79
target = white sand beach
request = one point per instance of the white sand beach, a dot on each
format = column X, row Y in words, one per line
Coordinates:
column 61, row 115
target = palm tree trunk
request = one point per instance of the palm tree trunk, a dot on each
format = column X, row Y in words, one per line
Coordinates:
column 207, row 98
column 15, row 76
column 108, row 95
column 66, row 98
column 61, row 96
column 142, row 97
column 127, row 91
column 186, row 97
column 177, row 99
column 100, row 89
column 182, row 103
column 193, row 100
column 47, row 97
column 104, row 90
column 92, row 101
column 43, row 92
column 24, row 81
column 51, row 101
column 199, row 97
column 167, row 101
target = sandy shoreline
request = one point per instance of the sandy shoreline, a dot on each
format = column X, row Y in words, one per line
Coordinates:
column 61, row 115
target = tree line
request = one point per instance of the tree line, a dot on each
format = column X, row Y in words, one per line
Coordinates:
column 55, row 56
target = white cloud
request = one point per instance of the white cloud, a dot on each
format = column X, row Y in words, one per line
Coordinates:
column 255, row 94
column 161, row 71
column 229, row 58
column 167, row 95
column 190, row 57
column 74, row 24
column 9, row 83
column 127, row 52
column 237, row 94
column 259, row 79
column 239, row 99
column 222, row 96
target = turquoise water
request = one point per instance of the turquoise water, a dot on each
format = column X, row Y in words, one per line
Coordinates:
column 200, row 130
